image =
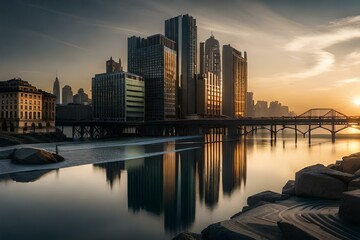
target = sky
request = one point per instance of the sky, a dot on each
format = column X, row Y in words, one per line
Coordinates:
column 305, row 54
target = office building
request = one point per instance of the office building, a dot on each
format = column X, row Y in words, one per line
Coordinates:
column 210, row 58
column 154, row 58
column 250, row 106
column 183, row 31
column 118, row 96
column 22, row 108
column 67, row 95
column 208, row 95
column 234, row 82
column 112, row 66
column 74, row 112
column 81, row 97
column 56, row 90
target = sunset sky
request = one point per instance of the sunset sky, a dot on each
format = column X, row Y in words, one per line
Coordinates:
column 305, row 54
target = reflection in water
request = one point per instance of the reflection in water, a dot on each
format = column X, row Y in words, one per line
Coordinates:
column 25, row 177
column 167, row 184
column 233, row 165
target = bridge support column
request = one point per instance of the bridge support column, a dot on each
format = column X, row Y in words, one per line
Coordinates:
column 332, row 131
column 275, row 133
column 295, row 134
column 309, row 134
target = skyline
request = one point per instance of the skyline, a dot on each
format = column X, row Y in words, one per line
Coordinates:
column 299, row 53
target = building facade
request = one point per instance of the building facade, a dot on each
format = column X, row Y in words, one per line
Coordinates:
column 118, row 96
column 81, row 97
column 21, row 106
column 154, row 58
column 112, row 66
column 210, row 58
column 56, row 90
column 183, row 31
column 234, row 82
column 250, row 105
column 209, row 95
column 67, row 95
column 74, row 112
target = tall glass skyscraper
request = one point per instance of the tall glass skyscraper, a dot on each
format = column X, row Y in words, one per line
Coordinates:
column 154, row 58
column 183, row 30
column 210, row 57
column 234, row 82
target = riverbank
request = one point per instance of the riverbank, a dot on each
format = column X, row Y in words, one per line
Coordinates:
column 321, row 203
column 30, row 138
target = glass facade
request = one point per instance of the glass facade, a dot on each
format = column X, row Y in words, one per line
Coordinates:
column 234, row 82
column 154, row 58
column 118, row 96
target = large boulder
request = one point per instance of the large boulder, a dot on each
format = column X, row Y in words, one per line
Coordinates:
column 349, row 210
column 289, row 188
column 34, row 156
column 188, row 236
column 319, row 181
column 266, row 196
column 354, row 184
column 294, row 232
column 6, row 154
column 351, row 163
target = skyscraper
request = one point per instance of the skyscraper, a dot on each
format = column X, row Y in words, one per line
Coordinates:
column 183, row 30
column 210, row 57
column 118, row 96
column 154, row 58
column 56, row 90
column 112, row 66
column 234, row 82
column 67, row 95
column 250, row 105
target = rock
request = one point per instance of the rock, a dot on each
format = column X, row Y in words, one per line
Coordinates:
column 34, row 156
column 30, row 176
column 289, row 188
column 357, row 173
column 354, row 184
column 6, row 154
column 188, row 236
column 335, row 166
column 217, row 231
column 318, row 181
column 351, row 163
column 291, row 231
column 267, row 196
column 349, row 210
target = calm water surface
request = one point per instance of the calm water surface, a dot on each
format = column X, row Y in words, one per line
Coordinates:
column 154, row 197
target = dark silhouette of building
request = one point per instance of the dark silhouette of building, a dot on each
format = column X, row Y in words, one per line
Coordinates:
column 250, row 106
column 74, row 112
column 81, row 97
column 67, row 95
column 56, row 90
column 234, row 82
column 112, row 66
column 154, row 58
column 118, row 96
column 183, row 30
column 210, row 59
column 261, row 109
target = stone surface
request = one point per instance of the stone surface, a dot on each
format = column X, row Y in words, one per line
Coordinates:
column 293, row 232
column 34, row 156
column 354, row 184
column 266, row 196
column 357, row 173
column 289, row 188
column 349, row 210
column 188, row 236
column 318, row 181
column 335, row 166
column 351, row 163
column 6, row 154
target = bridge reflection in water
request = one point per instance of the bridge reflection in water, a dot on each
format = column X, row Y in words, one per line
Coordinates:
column 170, row 184
column 319, row 118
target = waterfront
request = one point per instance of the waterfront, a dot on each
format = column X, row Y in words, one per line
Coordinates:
column 155, row 197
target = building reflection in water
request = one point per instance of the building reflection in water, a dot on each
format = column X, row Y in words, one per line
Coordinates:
column 167, row 184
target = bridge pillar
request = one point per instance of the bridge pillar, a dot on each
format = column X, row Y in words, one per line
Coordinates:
column 275, row 133
column 295, row 134
column 332, row 131
column 309, row 134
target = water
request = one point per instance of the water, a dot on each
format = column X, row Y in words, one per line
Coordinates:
column 154, row 197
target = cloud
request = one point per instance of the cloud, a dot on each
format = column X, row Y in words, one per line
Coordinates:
column 344, row 82
column 120, row 29
column 317, row 44
column 351, row 59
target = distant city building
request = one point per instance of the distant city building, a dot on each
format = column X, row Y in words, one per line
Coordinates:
column 154, row 58
column 81, row 97
column 234, row 82
column 56, row 90
column 74, row 112
column 112, row 66
column 183, row 30
column 250, row 105
column 210, row 59
column 208, row 95
column 261, row 109
column 67, row 95
column 118, row 96
column 22, row 108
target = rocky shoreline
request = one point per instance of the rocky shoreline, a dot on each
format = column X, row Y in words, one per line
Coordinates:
column 321, row 203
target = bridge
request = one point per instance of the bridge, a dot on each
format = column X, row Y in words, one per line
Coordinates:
column 303, row 124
